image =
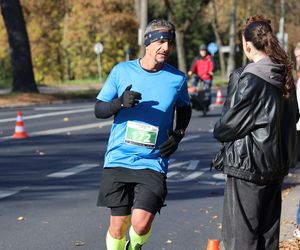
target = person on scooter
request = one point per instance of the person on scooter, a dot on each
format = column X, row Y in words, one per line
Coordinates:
column 203, row 68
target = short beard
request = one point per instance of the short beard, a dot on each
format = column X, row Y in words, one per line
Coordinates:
column 162, row 61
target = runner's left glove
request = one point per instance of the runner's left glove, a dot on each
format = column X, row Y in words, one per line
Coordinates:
column 169, row 146
column 130, row 98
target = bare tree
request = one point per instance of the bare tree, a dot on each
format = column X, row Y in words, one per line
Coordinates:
column 141, row 7
column 232, row 38
column 215, row 25
column 23, row 77
column 182, row 27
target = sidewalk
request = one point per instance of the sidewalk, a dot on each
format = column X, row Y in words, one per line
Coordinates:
column 50, row 94
column 69, row 88
column 60, row 88
column 291, row 197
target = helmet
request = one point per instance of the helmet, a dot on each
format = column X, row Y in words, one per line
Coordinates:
column 202, row 47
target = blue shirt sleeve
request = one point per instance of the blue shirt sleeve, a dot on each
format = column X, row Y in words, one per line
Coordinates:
column 109, row 90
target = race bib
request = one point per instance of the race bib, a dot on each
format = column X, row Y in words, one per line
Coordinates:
column 141, row 134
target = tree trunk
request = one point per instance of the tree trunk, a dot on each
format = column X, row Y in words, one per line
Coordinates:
column 247, row 8
column 217, row 35
column 180, row 50
column 232, row 38
column 23, row 77
column 143, row 24
column 181, row 28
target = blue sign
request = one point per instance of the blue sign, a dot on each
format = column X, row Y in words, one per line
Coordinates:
column 212, row 48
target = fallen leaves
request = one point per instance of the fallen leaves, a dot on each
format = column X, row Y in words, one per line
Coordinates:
column 21, row 218
column 26, row 99
column 79, row 243
column 169, row 241
column 291, row 244
column 286, row 192
column 40, row 152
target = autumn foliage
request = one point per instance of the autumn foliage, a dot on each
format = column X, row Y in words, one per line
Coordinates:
column 63, row 33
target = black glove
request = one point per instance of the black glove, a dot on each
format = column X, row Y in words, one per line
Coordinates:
column 127, row 100
column 130, row 98
column 169, row 146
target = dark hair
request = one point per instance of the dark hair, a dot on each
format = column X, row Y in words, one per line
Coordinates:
column 258, row 30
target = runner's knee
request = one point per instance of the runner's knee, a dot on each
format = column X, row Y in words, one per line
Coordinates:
column 119, row 226
column 141, row 221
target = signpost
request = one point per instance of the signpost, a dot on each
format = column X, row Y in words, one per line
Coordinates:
column 128, row 51
column 212, row 48
column 98, row 48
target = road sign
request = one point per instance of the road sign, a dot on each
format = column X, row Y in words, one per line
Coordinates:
column 225, row 49
column 212, row 48
column 98, row 48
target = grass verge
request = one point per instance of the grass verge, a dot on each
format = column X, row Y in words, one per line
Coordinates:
column 22, row 99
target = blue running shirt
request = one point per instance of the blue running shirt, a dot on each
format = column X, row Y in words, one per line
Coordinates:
column 137, row 132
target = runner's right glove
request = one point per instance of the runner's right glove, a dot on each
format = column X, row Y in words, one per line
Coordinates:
column 169, row 146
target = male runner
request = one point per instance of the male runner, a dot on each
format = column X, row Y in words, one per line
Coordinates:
column 143, row 95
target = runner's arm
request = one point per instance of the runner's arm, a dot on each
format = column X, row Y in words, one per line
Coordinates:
column 107, row 109
column 127, row 100
column 183, row 117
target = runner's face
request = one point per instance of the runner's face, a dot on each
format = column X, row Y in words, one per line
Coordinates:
column 159, row 50
column 202, row 52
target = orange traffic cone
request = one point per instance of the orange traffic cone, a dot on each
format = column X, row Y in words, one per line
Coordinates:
column 213, row 245
column 20, row 132
column 219, row 98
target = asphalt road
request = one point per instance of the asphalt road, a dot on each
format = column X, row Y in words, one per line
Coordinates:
column 49, row 183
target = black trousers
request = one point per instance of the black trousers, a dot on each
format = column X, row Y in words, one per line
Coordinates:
column 298, row 138
column 251, row 215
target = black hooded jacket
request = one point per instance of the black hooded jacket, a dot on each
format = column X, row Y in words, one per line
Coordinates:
column 260, row 127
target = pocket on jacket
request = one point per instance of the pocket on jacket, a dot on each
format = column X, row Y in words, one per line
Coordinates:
column 236, row 154
column 240, row 147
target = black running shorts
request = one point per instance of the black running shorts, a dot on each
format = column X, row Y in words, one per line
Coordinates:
column 122, row 189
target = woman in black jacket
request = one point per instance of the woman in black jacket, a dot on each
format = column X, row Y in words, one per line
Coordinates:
column 259, row 132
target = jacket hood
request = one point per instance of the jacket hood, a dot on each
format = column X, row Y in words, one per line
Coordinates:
column 271, row 72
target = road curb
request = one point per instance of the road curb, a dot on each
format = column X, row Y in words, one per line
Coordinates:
column 291, row 196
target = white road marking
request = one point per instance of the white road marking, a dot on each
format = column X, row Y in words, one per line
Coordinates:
column 190, row 137
column 73, row 128
column 191, row 167
column 53, row 108
column 172, row 173
column 192, row 173
column 72, row 171
column 192, row 176
column 65, row 130
column 215, row 183
column 220, row 176
column 6, row 192
column 66, row 112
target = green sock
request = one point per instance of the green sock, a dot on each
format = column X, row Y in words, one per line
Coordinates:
column 136, row 241
column 114, row 244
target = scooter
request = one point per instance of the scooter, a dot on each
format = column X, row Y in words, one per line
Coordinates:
column 200, row 98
